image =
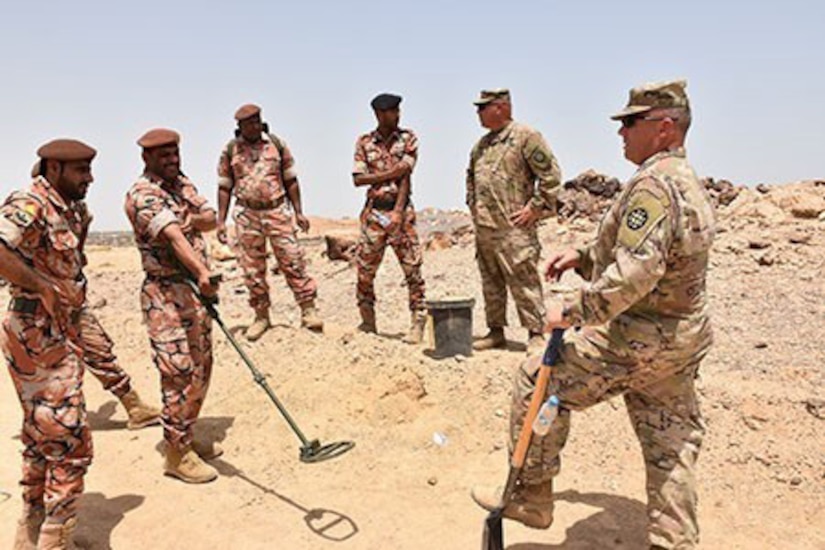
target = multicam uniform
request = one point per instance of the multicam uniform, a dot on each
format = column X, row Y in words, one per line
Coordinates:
column 373, row 154
column 256, row 174
column 501, row 180
column 180, row 330
column 43, row 357
column 645, row 331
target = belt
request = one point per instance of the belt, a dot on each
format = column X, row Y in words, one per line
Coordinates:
column 172, row 278
column 261, row 205
column 24, row 305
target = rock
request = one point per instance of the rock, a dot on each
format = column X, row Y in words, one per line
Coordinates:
column 762, row 188
column 760, row 345
column 223, row 253
column 99, row 303
column 433, row 481
column 722, row 192
column 439, row 240
column 587, row 195
column 796, row 481
column 799, row 238
column 816, row 407
column 758, row 243
column 765, row 259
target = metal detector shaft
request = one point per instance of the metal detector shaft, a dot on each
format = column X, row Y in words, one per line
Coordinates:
column 256, row 374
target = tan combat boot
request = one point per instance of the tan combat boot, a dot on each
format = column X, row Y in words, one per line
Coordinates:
column 140, row 414
column 207, row 450
column 416, row 333
column 367, row 319
column 310, row 318
column 531, row 505
column 258, row 327
column 57, row 536
column 28, row 528
column 493, row 339
column 186, row 465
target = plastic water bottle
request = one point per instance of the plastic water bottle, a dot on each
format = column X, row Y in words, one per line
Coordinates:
column 380, row 218
column 547, row 414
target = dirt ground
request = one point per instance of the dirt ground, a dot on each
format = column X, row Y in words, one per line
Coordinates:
column 404, row 486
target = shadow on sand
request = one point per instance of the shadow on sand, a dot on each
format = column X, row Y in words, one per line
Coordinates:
column 99, row 516
column 620, row 523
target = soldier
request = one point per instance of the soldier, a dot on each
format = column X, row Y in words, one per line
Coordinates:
column 168, row 217
column 642, row 324
column 511, row 184
column 96, row 345
column 384, row 161
column 258, row 168
column 40, row 256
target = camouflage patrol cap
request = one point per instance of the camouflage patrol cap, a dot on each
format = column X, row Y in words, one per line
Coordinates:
column 66, row 150
column 385, row 102
column 669, row 94
column 488, row 96
column 246, row 111
column 157, row 137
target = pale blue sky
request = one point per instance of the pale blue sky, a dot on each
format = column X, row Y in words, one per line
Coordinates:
column 106, row 71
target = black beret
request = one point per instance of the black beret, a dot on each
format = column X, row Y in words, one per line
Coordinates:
column 385, row 102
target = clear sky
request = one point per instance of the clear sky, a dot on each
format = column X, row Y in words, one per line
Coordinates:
column 106, row 71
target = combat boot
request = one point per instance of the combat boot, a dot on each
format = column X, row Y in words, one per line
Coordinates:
column 531, row 505
column 535, row 343
column 186, row 465
column 28, row 528
column 57, row 536
column 140, row 414
column 493, row 339
column 310, row 318
column 367, row 319
column 416, row 333
column 258, row 327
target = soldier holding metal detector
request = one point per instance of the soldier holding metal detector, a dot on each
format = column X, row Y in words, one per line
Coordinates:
column 643, row 328
column 168, row 217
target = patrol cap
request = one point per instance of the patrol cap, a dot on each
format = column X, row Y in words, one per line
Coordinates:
column 385, row 102
column 488, row 96
column 66, row 150
column 246, row 111
column 157, row 137
column 668, row 94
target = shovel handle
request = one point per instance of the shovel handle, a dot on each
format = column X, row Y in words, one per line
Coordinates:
column 549, row 359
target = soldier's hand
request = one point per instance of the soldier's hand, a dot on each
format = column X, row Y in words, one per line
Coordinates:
column 561, row 262
column 395, row 221
column 526, row 217
column 302, row 222
column 207, row 286
column 221, row 233
column 554, row 317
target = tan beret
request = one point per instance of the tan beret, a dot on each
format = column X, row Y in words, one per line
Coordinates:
column 158, row 137
column 246, row 111
column 66, row 150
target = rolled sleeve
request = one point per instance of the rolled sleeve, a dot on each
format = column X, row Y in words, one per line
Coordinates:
column 359, row 165
column 225, row 176
column 410, row 156
column 159, row 221
column 18, row 221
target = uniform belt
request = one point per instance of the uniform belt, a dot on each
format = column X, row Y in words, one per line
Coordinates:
column 24, row 305
column 261, row 205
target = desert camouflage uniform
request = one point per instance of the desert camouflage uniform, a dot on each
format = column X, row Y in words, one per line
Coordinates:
column 180, row 330
column 501, row 180
column 256, row 174
column 43, row 358
column 645, row 329
column 94, row 342
column 373, row 154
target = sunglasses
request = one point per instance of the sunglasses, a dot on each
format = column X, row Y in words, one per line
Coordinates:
column 629, row 122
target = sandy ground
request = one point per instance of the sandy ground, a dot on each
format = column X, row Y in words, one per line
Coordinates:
column 762, row 468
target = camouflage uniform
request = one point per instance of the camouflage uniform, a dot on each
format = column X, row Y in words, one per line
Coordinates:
column 180, row 330
column 43, row 360
column 501, row 180
column 645, row 329
column 373, row 154
column 256, row 174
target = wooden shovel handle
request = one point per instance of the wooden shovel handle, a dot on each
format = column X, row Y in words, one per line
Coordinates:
column 526, row 434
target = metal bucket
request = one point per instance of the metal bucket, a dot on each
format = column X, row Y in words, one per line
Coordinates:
column 452, row 322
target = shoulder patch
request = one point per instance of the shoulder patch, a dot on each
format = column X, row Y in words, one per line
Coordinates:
column 644, row 211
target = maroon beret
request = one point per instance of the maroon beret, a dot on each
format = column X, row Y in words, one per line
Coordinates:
column 158, row 137
column 66, row 150
column 246, row 111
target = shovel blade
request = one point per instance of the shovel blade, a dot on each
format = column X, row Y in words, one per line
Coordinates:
column 493, row 536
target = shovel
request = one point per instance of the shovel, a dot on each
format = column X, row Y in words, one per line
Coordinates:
column 493, row 536
column 311, row 451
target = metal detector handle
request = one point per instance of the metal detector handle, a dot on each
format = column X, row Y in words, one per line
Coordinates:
column 551, row 354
